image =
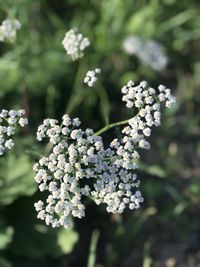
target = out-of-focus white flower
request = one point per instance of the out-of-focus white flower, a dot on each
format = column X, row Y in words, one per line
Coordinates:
column 75, row 43
column 153, row 55
column 91, row 77
column 149, row 52
column 8, row 29
column 132, row 45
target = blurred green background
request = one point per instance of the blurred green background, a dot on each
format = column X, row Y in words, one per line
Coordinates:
column 36, row 74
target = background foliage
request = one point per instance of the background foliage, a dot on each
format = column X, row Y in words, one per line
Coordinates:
column 35, row 73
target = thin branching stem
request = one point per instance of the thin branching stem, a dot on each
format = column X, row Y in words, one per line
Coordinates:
column 110, row 126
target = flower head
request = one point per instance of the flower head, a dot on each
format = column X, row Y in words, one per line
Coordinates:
column 9, row 122
column 91, row 77
column 8, row 29
column 75, row 43
column 79, row 164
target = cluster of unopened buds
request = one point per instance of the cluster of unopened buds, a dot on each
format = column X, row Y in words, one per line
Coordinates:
column 80, row 165
column 9, row 122
column 8, row 29
column 75, row 43
column 91, row 77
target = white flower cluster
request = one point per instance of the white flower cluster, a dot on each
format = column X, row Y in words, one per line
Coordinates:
column 9, row 120
column 8, row 29
column 149, row 52
column 147, row 101
column 80, row 166
column 91, row 78
column 75, row 43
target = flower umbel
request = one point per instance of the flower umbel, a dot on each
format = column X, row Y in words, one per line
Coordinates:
column 80, row 166
column 75, row 44
column 8, row 29
column 9, row 122
column 91, row 77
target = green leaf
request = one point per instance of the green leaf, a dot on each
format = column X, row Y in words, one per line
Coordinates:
column 143, row 21
column 4, row 263
column 16, row 178
column 153, row 170
column 6, row 235
column 178, row 20
column 67, row 240
column 38, row 240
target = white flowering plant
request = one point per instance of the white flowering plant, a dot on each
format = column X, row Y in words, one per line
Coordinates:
column 80, row 165
column 102, row 174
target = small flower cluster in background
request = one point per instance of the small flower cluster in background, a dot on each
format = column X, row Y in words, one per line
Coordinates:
column 91, row 77
column 8, row 29
column 132, row 44
column 149, row 52
column 9, row 122
column 75, row 44
column 80, row 166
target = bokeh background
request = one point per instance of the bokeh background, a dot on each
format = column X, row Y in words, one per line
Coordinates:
column 36, row 74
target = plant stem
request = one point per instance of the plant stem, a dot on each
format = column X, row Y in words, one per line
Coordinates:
column 77, row 94
column 112, row 125
column 34, row 153
column 93, row 248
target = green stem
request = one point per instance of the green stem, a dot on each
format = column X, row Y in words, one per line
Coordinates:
column 105, row 104
column 34, row 153
column 110, row 126
column 93, row 248
column 77, row 94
